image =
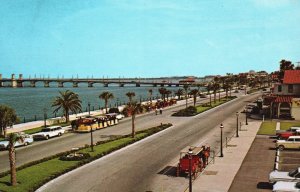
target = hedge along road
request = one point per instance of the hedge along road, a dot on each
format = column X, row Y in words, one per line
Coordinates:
column 41, row 149
column 135, row 168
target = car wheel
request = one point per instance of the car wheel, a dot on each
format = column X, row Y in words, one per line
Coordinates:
column 59, row 134
column 47, row 137
column 26, row 143
column 281, row 147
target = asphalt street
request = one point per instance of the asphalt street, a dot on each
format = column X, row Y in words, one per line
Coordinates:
column 138, row 167
column 41, row 149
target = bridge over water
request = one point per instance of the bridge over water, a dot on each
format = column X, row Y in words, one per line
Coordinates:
column 138, row 82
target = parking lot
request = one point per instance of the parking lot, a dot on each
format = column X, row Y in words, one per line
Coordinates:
column 288, row 160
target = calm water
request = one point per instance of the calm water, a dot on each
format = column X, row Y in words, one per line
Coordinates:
column 30, row 102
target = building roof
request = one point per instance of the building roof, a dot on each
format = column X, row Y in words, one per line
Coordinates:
column 283, row 99
column 291, row 77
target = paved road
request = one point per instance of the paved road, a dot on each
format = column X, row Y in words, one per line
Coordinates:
column 53, row 146
column 136, row 167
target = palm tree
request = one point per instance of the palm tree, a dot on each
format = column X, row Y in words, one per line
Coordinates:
column 186, row 88
column 130, row 96
column 195, row 93
column 150, row 91
column 209, row 88
column 106, row 96
column 13, row 138
column 168, row 92
column 215, row 87
column 8, row 117
column 179, row 92
column 67, row 101
column 134, row 108
column 162, row 91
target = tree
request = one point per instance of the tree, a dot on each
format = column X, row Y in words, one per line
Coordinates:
column 194, row 93
column 130, row 96
column 13, row 138
column 8, row 117
column 179, row 92
column 134, row 108
column 150, row 91
column 209, row 88
column 67, row 101
column 162, row 91
column 284, row 65
column 186, row 88
column 215, row 87
column 167, row 93
column 106, row 96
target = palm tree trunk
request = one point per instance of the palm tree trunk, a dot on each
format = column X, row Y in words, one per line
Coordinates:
column 133, row 125
column 195, row 97
column 209, row 98
column 106, row 103
column 219, row 95
column 12, row 163
column 186, row 101
column 67, row 116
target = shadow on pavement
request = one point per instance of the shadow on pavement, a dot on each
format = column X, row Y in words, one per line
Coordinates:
column 264, row 185
column 169, row 171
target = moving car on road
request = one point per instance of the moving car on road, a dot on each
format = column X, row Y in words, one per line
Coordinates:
column 27, row 139
column 291, row 129
column 49, row 132
column 283, row 186
column 293, row 175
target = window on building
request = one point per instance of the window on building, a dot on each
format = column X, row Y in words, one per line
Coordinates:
column 290, row 89
column 279, row 88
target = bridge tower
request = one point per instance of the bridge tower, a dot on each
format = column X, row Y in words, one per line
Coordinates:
column 14, row 82
column 19, row 81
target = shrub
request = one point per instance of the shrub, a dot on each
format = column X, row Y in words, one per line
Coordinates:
column 73, row 157
column 190, row 111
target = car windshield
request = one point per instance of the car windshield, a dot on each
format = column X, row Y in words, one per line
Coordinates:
column 293, row 173
column 46, row 130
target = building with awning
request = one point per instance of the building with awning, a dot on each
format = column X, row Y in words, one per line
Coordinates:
column 285, row 100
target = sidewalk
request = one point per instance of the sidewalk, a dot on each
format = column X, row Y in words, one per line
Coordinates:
column 218, row 177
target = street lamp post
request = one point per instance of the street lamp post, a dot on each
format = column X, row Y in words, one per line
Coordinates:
column 221, row 153
column 190, row 153
column 89, row 105
column 246, row 113
column 91, row 129
column 237, row 124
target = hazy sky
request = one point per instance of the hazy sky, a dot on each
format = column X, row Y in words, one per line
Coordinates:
column 146, row 38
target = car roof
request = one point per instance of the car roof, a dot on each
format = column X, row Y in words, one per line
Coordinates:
column 295, row 137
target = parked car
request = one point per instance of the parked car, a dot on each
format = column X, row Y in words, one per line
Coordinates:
column 49, row 132
column 293, row 175
column 236, row 90
column 291, row 129
column 293, row 142
column 27, row 139
column 285, row 135
column 120, row 116
column 203, row 95
column 284, row 186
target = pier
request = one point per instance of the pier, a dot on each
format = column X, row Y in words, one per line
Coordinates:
column 138, row 82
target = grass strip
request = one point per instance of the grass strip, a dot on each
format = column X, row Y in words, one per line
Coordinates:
column 267, row 128
column 192, row 111
column 33, row 175
column 287, row 125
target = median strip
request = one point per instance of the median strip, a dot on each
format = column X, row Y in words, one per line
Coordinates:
column 33, row 175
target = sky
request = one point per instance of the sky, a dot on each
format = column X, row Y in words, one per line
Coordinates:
column 146, row 38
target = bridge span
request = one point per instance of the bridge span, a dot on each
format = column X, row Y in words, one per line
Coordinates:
column 155, row 82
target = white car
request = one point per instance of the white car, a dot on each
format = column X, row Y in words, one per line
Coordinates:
column 27, row 139
column 120, row 116
column 293, row 175
column 49, row 132
column 283, row 186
